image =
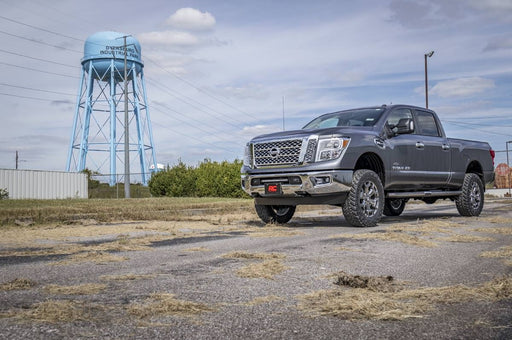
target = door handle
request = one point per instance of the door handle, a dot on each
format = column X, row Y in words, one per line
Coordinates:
column 446, row 147
column 420, row 145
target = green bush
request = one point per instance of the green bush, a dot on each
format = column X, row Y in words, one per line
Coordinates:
column 4, row 194
column 208, row 179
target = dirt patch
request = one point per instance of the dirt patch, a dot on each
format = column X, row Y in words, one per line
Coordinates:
column 373, row 283
column 18, row 284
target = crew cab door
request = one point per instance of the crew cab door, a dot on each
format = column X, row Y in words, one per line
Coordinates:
column 433, row 149
column 420, row 158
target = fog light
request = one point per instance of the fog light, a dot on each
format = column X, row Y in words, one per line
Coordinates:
column 295, row 180
column 320, row 180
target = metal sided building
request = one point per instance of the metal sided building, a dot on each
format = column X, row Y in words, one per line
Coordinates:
column 32, row 184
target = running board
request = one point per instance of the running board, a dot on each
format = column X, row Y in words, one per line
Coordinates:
column 414, row 194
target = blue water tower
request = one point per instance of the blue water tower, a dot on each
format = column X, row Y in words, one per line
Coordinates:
column 100, row 109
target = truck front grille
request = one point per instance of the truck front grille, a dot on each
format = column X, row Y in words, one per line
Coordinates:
column 277, row 153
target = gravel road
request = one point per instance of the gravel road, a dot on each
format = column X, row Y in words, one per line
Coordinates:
column 243, row 280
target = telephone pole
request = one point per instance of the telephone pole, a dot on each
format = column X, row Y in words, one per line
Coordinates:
column 126, row 128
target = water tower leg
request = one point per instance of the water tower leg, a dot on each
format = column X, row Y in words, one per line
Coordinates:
column 140, row 132
column 113, row 123
column 150, row 130
column 75, row 121
column 84, row 144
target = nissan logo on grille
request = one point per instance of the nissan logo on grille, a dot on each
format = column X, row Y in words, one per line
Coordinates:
column 274, row 152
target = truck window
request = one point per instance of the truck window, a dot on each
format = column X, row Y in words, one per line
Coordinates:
column 398, row 114
column 426, row 124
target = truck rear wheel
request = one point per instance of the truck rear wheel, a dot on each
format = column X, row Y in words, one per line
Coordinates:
column 365, row 202
column 394, row 207
column 275, row 213
column 471, row 201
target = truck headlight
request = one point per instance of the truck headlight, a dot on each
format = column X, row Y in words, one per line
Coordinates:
column 248, row 155
column 331, row 148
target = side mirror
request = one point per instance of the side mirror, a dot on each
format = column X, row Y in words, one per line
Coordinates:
column 405, row 126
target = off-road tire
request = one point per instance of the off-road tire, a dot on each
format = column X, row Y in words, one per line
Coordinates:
column 365, row 201
column 471, row 201
column 394, row 207
column 275, row 213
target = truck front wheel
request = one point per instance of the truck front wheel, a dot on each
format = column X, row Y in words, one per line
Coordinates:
column 365, row 201
column 471, row 201
column 275, row 213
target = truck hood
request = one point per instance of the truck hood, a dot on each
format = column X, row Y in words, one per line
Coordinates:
column 345, row 131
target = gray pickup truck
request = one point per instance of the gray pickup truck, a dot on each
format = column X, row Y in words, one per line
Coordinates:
column 369, row 161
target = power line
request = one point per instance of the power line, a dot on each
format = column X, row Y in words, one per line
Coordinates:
column 39, row 90
column 28, row 97
column 184, row 101
column 482, row 130
column 39, row 59
column 198, row 88
column 198, row 127
column 39, row 28
column 36, row 70
column 39, row 42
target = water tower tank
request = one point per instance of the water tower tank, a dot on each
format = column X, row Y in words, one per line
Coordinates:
column 100, row 48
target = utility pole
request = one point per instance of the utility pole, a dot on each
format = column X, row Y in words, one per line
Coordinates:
column 283, row 113
column 430, row 54
column 126, row 129
column 17, row 158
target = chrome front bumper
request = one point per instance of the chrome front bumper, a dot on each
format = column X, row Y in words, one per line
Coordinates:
column 299, row 184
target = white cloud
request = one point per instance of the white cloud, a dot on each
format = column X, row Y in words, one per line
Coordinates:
column 461, row 87
column 191, row 19
column 173, row 38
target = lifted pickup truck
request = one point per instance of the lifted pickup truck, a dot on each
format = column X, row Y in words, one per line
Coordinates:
column 369, row 161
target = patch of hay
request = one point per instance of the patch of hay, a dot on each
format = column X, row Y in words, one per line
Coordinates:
column 272, row 230
column 266, row 269
column 160, row 304
column 18, row 284
column 263, row 300
column 393, row 236
column 373, row 302
column 126, row 277
column 98, row 257
column 504, row 253
column 504, row 231
column 498, row 219
column 465, row 238
column 54, row 311
column 85, row 289
column 253, row 256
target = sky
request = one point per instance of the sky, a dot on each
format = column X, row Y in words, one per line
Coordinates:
column 221, row 72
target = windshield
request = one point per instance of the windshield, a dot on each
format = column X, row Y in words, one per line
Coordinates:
column 358, row 117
